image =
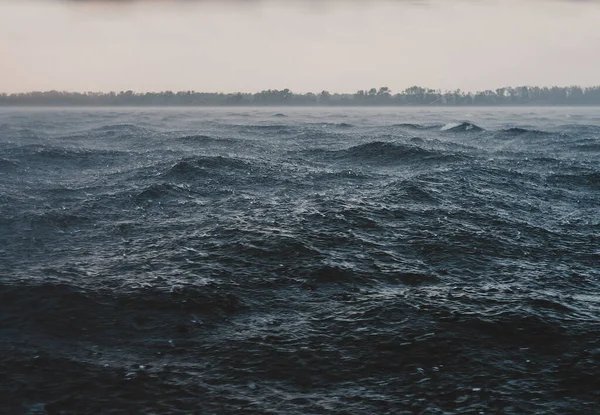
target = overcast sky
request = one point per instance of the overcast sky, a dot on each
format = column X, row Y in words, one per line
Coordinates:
column 341, row 47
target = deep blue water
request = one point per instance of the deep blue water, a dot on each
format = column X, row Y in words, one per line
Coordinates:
column 300, row 261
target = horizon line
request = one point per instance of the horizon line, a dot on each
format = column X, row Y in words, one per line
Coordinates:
column 442, row 90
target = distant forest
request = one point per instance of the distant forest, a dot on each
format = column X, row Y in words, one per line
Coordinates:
column 413, row 96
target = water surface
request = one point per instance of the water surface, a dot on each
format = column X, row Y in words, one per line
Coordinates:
column 300, row 261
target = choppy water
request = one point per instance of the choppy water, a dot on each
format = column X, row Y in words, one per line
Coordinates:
column 300, row 261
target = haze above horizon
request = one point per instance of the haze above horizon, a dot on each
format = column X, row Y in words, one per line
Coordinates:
column 309, row 46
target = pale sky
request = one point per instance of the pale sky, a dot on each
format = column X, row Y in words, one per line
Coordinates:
column 340, row 47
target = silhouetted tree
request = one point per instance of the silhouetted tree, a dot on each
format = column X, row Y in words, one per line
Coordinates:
column 415, row 95
column 324, row 97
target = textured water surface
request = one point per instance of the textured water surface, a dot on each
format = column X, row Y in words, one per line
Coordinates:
column 300, row 261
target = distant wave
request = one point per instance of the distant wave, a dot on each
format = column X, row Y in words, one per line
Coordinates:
column 202, row 139
column 412, row 126
column 514, row 132
column 519, row 131
column 121, row 131
column 462, row 127
column 65, row 155
column 581, row 129
column 197, row 137
column 8, row 131
column 120, row 127
column 320, row 135
column 381, row 151
column 270, row 129
column 332, row 124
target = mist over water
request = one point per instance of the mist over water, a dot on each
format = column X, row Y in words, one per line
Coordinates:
column 289, row 260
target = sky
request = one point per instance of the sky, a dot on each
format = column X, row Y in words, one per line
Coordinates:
column 339, row 46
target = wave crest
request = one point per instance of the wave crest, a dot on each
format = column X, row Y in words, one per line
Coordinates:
column 462, row 127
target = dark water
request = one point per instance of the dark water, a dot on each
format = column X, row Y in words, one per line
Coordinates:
column 296, row 261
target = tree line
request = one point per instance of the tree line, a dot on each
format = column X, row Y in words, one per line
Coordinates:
column 413, row 96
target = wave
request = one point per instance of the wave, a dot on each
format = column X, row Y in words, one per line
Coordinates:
column 278, row 129
column 462, row 127
column 332, row 274
column 12, row 132
column 66, row 155
column 64, row 309
column 56, row 218
column 122, row 128
column 386, row 152
column 207, row 139
column 585, row 143
column 413, row 278
column 197, row 137
column 410, row 191
column 327, row 274
column 583, row 179
column 7, row 165
column 529, row 134
column 333, row 124
column 214, row 174
column 580, row 129
column 409, row 126
column 412, row 126
column 318, row 135
column 348, row 174
column 239, row 114
column 120, row 132
column 516, row 131
column 267, row 248
column 547, row 160
column 159, row 191
column 588, row 148
column 514, row 327
column 202, row 166
column 208, row 300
